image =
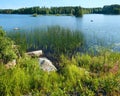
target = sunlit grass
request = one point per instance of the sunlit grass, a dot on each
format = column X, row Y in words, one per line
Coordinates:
column 82, row 74
column 77, row 76
column 54, row 41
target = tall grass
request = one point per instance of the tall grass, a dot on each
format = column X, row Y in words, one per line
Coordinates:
column 53, row 38
column 54, row 41
column 78, row 77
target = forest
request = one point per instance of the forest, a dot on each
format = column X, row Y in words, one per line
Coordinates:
column 70, row 10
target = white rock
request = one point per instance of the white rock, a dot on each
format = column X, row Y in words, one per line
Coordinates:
column 16, row 28
column 10, row 64
column 46, row 64
column 35, row 53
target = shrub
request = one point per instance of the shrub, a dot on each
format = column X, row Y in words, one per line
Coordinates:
column 6, row 48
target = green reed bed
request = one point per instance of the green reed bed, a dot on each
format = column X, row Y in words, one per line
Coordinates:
column 52, row 40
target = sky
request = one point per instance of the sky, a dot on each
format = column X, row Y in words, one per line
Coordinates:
column 15, row 4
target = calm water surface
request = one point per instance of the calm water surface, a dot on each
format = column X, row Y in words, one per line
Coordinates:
column 104, row 30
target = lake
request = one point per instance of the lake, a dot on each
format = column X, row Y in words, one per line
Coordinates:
column 98, row 29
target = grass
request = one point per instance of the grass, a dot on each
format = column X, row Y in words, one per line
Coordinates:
column 50, row 38
column 82, row 74
column 77, row 76
column 54, row 41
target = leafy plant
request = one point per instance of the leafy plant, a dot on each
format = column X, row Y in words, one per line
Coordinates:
column 7, row 52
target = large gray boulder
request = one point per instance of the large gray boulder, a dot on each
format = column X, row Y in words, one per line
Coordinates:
column 46, row 64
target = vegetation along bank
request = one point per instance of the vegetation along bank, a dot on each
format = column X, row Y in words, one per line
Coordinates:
column 78, row 74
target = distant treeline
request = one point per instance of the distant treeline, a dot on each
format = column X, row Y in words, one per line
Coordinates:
column 77, row 11
column 53, row 10
column 107, row 9
column 113, row 9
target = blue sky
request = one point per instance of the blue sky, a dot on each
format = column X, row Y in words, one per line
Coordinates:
column 15, row 4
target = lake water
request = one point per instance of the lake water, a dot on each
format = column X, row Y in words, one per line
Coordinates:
column 102, row 30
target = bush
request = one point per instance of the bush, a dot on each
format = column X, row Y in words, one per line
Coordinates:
column 6, row 48
column 27, row 78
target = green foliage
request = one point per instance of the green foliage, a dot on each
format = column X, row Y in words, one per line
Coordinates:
column 81, row 74
column 6, row 48
column 20, row 40
column 112, row 9
column 54, row 41
column 13, row 82
column 78, row 12
column 110, row 84
column 76, row 77
column 97, row 10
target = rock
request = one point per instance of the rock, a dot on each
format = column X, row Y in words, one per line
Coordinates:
column 46, row 64
column 10, row 64
column 35, row 53
column 16, row 28
column 91, row 20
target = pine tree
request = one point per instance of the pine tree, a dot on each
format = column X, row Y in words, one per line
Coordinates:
column 78, row 12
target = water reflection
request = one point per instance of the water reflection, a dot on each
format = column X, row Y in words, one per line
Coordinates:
column 103, row 30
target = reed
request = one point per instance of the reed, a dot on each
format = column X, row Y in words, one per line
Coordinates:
column 52, row 40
